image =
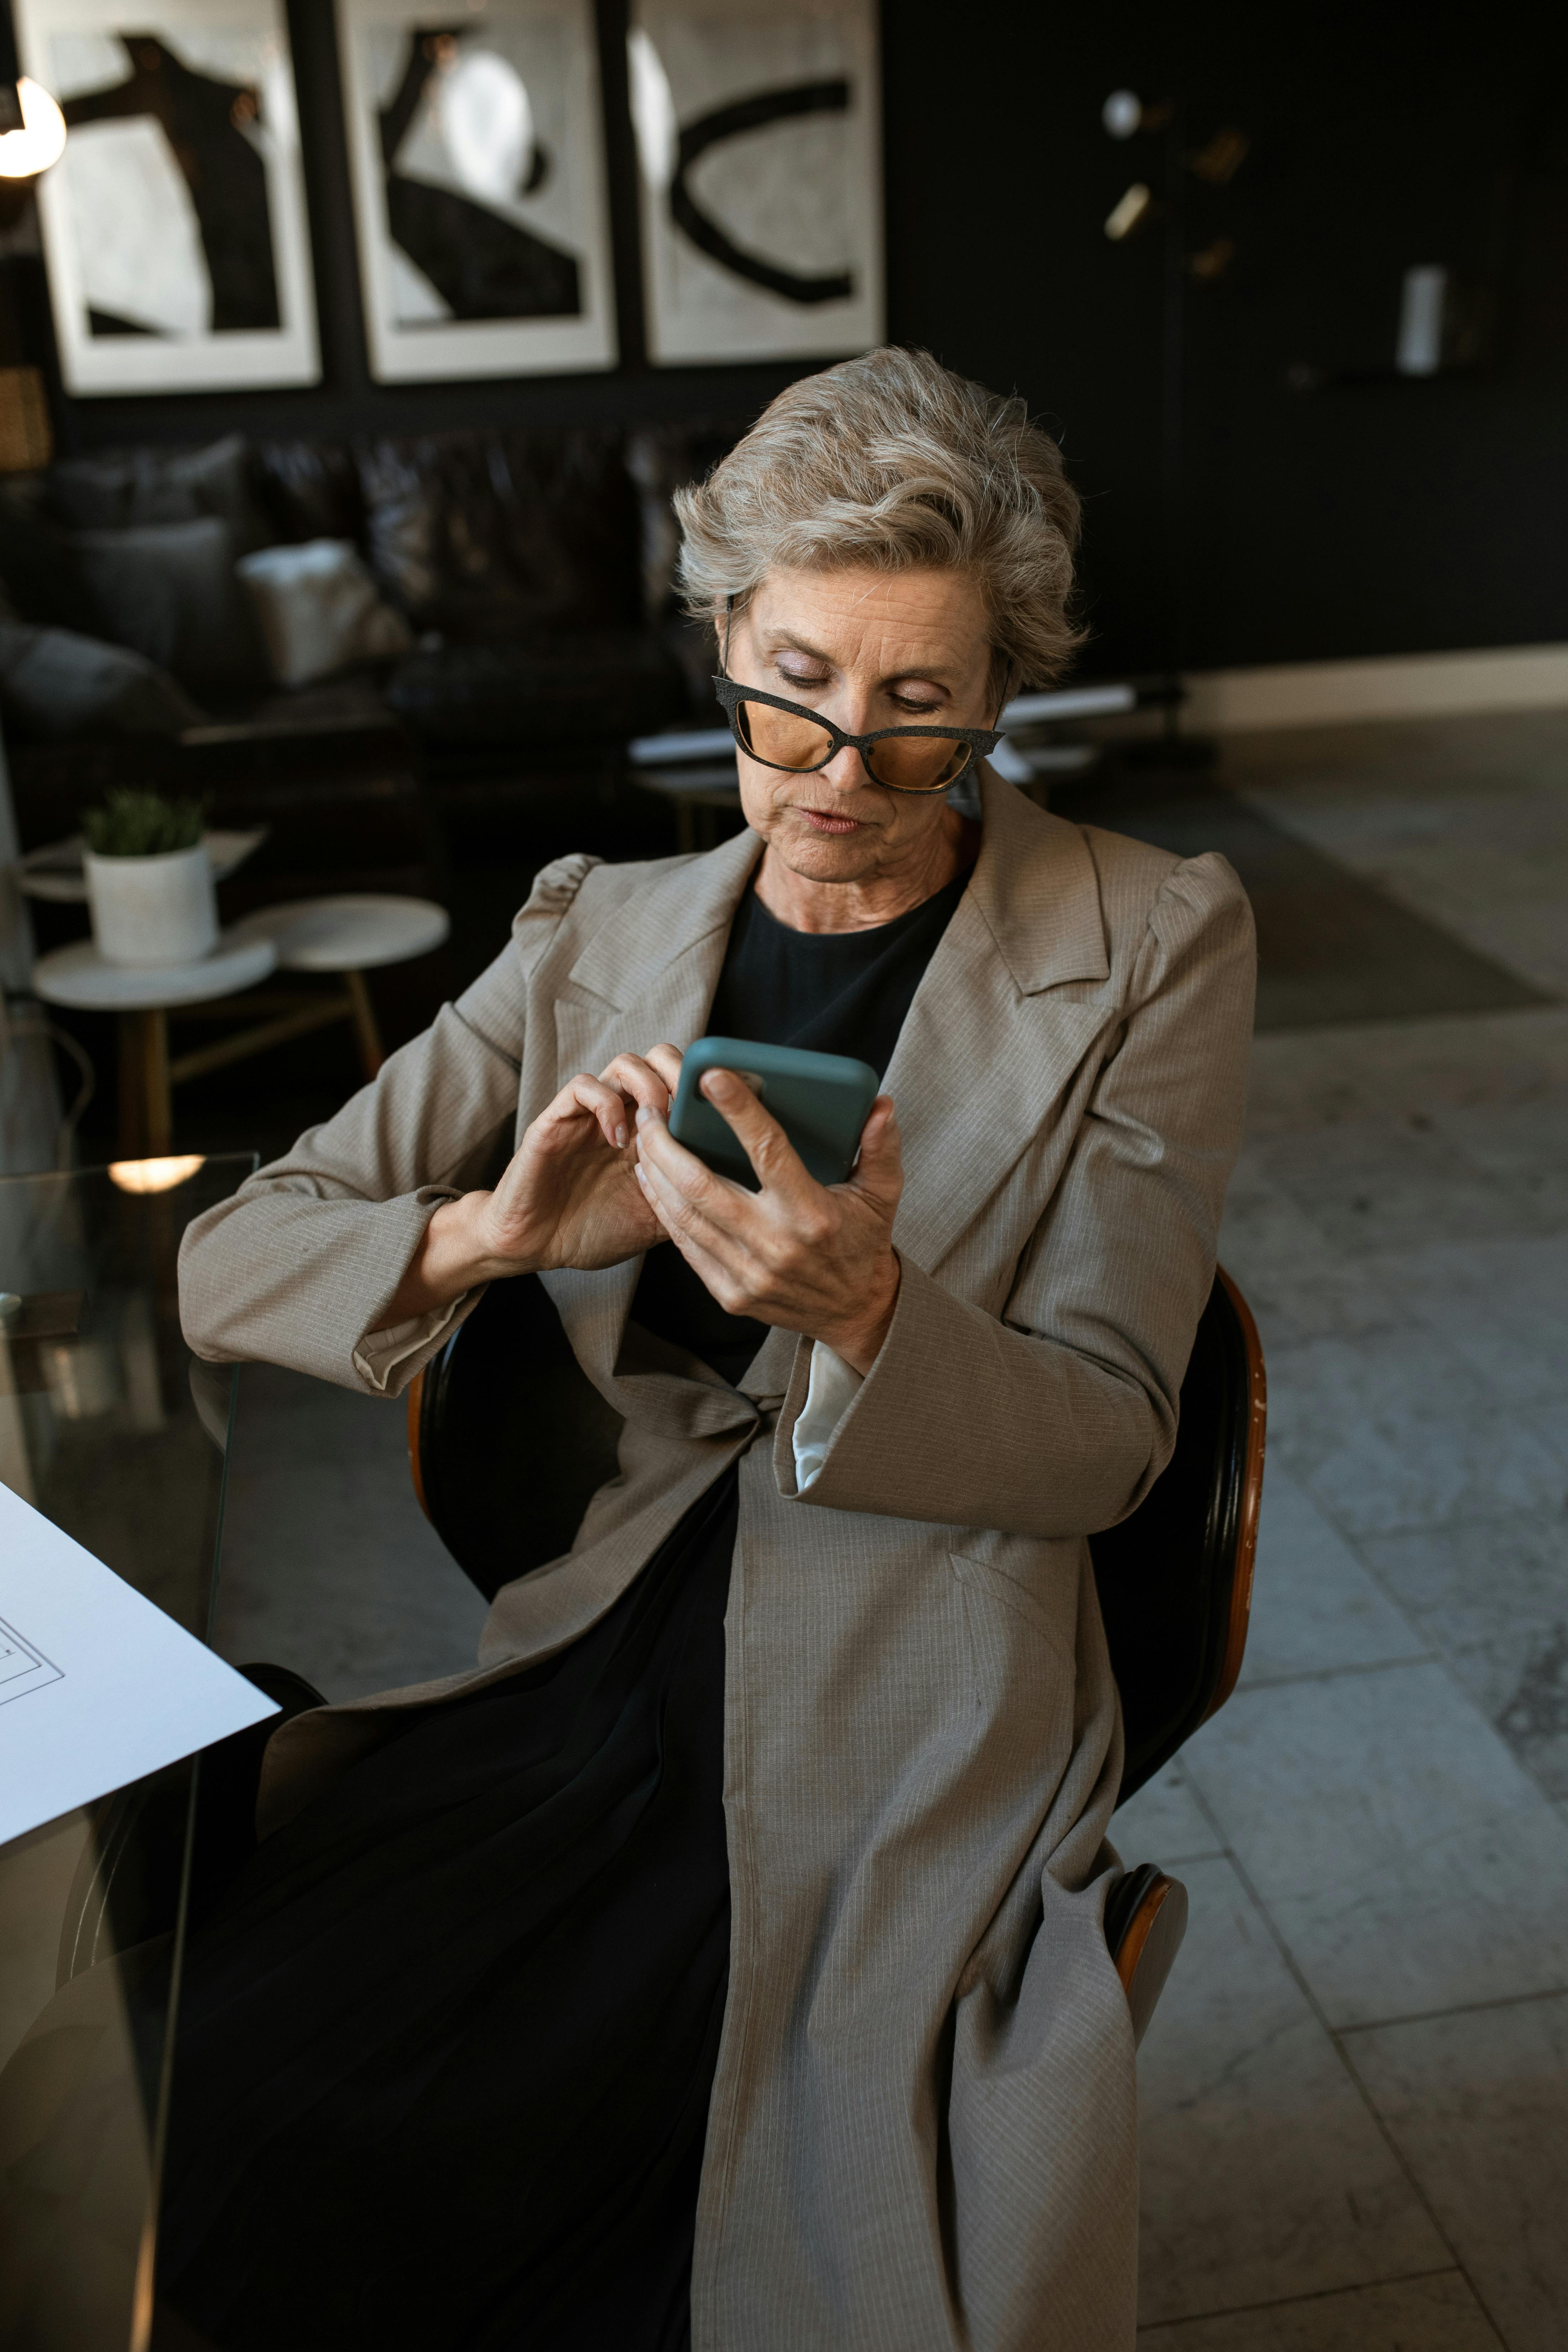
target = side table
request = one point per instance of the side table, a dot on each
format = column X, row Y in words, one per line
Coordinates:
column 345, row 936
column 349, row 936
column 143, row 997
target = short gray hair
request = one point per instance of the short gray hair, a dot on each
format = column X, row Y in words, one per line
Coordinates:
column 892, row 461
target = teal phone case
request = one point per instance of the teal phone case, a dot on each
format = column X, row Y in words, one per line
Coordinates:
column 819, row 1100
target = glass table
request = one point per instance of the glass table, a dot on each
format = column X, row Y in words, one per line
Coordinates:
column 114, row 1431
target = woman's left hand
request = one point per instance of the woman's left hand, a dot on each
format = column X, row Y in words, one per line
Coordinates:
column 810, row 1257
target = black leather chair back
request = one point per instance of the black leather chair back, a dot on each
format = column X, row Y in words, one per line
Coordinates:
column 509, row 1438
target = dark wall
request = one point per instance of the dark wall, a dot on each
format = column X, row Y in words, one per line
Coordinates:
column 1374, row 518
column 1368, row 517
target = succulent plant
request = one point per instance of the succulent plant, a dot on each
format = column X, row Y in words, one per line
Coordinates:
column 141, row 825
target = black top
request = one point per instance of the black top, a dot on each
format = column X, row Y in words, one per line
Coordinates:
column 830, row 991
column 447, row 2041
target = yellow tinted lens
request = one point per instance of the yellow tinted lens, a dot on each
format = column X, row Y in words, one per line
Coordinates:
column 783, row 738
column 917, row 763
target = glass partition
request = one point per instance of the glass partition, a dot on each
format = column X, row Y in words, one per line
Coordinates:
column 112, row 1429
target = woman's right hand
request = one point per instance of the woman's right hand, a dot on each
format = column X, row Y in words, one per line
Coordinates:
column 569, row 1197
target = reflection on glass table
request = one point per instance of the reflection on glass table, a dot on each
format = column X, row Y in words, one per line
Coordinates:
column 111, row 1428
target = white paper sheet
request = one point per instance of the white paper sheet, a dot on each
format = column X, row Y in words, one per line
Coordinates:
column 97, row 1686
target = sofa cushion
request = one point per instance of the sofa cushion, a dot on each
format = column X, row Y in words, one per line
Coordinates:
column 55, row 684
column 119, row 490
column 42, row 575
column 503, row 533
column 597, row 688
column 311, row 490
column 319, row 610
column 169, row 589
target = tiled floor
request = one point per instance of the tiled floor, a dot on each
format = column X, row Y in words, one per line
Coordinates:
column 1355, row 2089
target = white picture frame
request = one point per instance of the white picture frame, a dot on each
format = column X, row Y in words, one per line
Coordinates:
column 766, row 242
column 160, row 281
column 498, row 180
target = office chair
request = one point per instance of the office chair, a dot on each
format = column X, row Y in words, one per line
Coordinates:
column 506, row 1395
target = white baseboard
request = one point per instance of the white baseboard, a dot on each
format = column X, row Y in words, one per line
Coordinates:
column 1405, row 686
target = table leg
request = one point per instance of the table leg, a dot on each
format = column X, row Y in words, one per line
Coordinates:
column 365, row 1029
column 145, row 1116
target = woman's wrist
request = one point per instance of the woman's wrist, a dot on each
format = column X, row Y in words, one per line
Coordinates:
column 859, row 1342
column 455, row 1255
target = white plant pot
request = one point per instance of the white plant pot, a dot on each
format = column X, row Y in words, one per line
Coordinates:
column 152, row 910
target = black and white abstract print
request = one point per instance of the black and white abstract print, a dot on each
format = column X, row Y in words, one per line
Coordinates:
column 175, row 223
column 478, row 173
column 757, row 141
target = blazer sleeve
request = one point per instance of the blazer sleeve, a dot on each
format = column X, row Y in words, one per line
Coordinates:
column 300, row 1267
column 1055, row 1418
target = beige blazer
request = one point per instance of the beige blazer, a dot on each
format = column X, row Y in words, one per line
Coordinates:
column 921, row 2136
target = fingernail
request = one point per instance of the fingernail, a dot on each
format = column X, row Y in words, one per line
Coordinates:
column 644, row 1114
column 620, row 1138
column 642, row 1180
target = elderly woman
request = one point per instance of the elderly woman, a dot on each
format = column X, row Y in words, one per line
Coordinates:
column 722, row 1960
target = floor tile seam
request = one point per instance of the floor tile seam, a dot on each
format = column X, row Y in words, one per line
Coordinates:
column 1316, row 2294
column 1427, row 1657
column 1303, row 1985
column 1456, row 2009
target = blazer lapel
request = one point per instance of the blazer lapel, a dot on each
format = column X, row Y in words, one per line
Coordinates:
column 992, row 1039
column 646, row 979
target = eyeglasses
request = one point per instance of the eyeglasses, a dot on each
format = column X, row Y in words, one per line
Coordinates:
column 788, row 736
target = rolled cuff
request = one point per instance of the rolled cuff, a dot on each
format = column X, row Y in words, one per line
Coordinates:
column 388, row 1361
column 831, row 1389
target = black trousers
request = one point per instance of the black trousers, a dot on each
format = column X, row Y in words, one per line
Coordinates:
column 446, row 2042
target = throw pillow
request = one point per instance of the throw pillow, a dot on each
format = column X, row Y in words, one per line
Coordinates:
column 169, row 589
column 319, row 610
column 54, row 683
column 119, row 490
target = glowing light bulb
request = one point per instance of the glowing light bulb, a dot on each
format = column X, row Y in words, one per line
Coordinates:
column 1125, row 215
column 155, row 1175
column 40, row 141
column 1122, row 113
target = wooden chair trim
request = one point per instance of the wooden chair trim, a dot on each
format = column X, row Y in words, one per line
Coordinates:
column 1251, row 1499
column 1138, row 1930
column 416, row 1411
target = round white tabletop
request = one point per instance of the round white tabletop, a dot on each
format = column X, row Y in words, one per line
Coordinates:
column 352, row 934
column 79, row 976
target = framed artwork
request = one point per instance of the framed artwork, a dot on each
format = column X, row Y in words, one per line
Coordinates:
column 477, row 145
column 758, row 135
column 174, row 227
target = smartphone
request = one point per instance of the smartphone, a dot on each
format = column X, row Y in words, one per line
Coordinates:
column 820, row 1100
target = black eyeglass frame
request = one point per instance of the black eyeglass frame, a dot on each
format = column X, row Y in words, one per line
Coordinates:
column 981, row 740
column 730, row 694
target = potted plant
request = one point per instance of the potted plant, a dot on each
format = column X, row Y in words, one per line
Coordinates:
column 149, row 880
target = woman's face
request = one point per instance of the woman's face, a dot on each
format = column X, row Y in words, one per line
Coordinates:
column 867, row 650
